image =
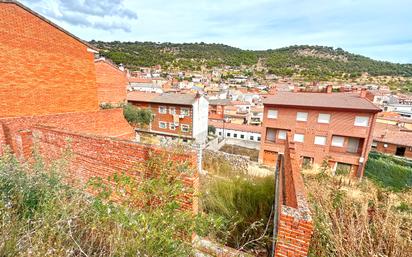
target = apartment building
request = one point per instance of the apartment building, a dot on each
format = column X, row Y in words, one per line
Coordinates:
column 175, row 115
column 337, row 127
column 217, row 108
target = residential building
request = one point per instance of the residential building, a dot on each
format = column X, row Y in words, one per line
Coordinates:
column 217, row 108
column 392, row 139
column 256, row 115
column 144, row 85
column 232, row 114
column 175, row 115
column 333, row 127
column 111, row 82
column 405, row 110
column 237, row 131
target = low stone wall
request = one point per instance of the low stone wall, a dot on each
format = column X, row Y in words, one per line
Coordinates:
column 239, row 163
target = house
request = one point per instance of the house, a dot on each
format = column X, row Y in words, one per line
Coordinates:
column 175, row 115
column 216, row 109
column 392, row 139
column 111, row 82
column 232, row 115
column 144, row 85
column 237, row 131
column 256, row 115
column 405, row 110
column 332, row 127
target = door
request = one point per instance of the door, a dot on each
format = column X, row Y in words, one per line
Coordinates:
column 353, row 145
column 400, row 151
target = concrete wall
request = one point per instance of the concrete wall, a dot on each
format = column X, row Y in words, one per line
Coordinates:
column 200, row 119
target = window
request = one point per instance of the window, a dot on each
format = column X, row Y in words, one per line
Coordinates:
column 361, row 121
column 324, row 118
column 242, row 136
column 338, row 141
column 374, row 144
column 343, row 168
column 162, row 125
column 220, row 133
column 270, row 134
column 184, row 128
column 172, row 126
column 258, row 139
column 228, row 134
column 162, row 109
column 282, row 134
column 235, row 135
column 184, row 111
column 172, row 110
column 272, row 114
column 320, row 140
column 301, row 116
column 299, row 138
column 251, row 138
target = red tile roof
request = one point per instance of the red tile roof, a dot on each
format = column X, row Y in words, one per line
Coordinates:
column 238, row 127
column 347, row 101
column 139, row 80
column 392, row 134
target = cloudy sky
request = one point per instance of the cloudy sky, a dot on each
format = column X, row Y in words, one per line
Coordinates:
column 381, row 29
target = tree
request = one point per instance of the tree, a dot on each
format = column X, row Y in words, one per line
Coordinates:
column 137, row 116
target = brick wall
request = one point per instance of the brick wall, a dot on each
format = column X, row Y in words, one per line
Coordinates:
column 43, row 70
column 295, row 227
column 111, row 83
column 110, row 123
column 391, row 149
column 94, row 156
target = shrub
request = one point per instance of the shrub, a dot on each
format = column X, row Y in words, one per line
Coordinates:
column 42, row 216
column 389, row 172
column 137, row 116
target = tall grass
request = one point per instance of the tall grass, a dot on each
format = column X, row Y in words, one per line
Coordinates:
column 243, row 205
column 353, row 219
column 41, row 216
column 389, row 172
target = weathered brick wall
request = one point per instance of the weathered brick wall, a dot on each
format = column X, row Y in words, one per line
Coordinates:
column 391, row 149
column 111, row 83
column 295, row 227
column 43, row 70
column 109, row 123
column 93, row 156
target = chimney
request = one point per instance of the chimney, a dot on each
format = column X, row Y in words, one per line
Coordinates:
column 363, row 93
column 329, row 89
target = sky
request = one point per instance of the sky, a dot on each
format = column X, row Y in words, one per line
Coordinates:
column 380, row 29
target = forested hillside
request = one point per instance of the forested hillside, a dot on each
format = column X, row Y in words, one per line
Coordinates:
column 312, row 62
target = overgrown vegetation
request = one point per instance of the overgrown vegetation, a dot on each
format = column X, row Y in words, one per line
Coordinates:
column 242, row 203
column 239, row 150
column 309, row 62
column 354, row 218
column 42, row 216
column 137, row 116
column 389, row 172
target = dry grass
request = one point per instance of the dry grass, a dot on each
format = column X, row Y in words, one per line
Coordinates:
column 358, row 218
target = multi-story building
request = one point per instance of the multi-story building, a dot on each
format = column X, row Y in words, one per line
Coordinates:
column 175, row 115
column 335, row 127
column 217, row 108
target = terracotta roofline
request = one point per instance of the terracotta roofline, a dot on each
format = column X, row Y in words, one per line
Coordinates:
column 49, row 22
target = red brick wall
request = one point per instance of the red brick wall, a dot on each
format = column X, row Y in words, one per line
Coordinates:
column 111, row 83
column 295, row 226
column 391, row 149
column 43, row 70
column 92, row 156
column 110, row 123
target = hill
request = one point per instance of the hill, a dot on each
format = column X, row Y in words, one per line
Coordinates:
column 310, row 62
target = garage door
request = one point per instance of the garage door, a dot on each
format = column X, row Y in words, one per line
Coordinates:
column 269, row 158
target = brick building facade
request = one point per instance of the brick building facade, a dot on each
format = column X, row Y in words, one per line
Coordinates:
column 44, row 69
column 333, row 126
column 392, row 139
column 175, row 115
column 111, row 83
